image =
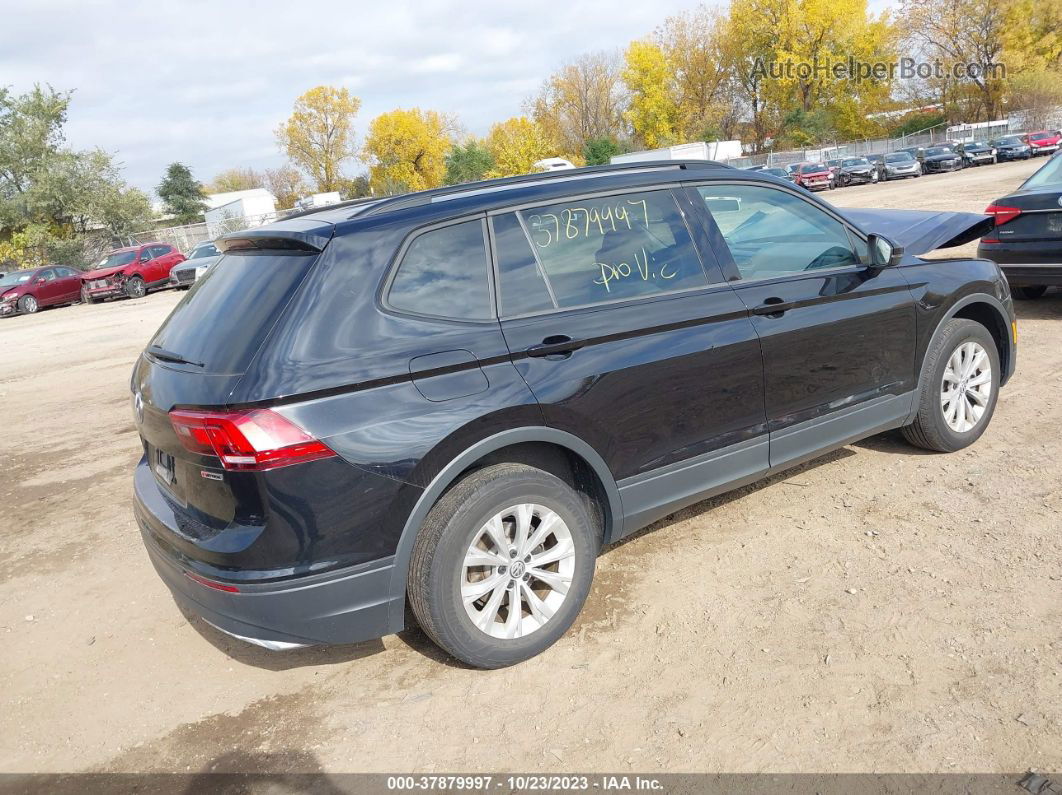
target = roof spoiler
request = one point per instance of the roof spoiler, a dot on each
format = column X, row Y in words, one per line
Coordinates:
column 312, row 238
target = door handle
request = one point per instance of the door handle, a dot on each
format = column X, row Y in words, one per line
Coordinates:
column 555, row 345
column 771, row 307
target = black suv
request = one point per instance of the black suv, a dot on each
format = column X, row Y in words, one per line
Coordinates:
column 456, row 398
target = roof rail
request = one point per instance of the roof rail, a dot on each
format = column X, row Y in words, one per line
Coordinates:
column 407, row 200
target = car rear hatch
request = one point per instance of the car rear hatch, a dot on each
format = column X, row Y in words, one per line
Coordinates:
column 921, row 231
column 187, row 494
column 1028, row 217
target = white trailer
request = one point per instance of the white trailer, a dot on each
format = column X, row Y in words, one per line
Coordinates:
column 698, row 150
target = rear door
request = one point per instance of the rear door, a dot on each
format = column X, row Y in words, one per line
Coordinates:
column 70, row 283
column 629, row 342
column 838, row 337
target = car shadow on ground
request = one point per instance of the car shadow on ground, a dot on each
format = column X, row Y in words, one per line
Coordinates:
column 258, row 657
column 894, row 443
column 1049, row 307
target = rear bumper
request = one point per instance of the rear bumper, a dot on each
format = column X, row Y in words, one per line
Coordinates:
column 113, row 291
column 343, row 606
column 1026, row 265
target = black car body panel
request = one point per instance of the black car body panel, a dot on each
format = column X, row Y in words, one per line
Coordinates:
column 922, row 231
column 1028, row 244
column 661, row 399
column 1012, row 148
column 933, row 161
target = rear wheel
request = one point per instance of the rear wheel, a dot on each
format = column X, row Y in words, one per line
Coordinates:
column 135, row 287
column 502, row 565
column 958, row 388
column 1030, row 293
column 27, row 304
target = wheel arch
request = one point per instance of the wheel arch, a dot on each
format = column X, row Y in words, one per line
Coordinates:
column 990, row 312
column 538, row 445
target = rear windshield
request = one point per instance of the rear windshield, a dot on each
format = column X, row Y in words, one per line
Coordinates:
column 1050, row 173
column 223, row 320
column 116, row 259
column 1041, row 136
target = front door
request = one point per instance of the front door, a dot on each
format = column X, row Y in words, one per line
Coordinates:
column 631, row 344
column 838, row 336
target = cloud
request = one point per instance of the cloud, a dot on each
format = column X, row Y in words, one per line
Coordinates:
column 206, row 83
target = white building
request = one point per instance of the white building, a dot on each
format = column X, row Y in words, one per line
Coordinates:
column 698, row 150
column 239, row 209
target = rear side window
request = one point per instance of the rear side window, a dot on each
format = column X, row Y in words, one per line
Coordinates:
column 224, row 319
column 610, row 248
column 522, row 285
column 443, row 273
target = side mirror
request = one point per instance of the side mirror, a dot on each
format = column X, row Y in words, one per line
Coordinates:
column 883, row 252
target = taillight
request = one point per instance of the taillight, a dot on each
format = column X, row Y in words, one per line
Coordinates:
column 1001, row 214
column 257, row 439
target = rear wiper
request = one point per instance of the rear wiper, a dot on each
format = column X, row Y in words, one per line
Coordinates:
column 170, row 356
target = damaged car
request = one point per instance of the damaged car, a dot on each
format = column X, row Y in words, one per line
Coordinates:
column 453, row 400
column 130, row 272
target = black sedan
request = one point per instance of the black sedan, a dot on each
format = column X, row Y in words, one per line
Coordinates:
column 938, row 159
column 977, row 153
column 856, row 171
column 1027, row 238
column 1011, row 147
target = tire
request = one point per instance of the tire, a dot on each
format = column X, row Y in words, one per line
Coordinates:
column 459, row 521
column 28, row 305
column 959, row 342
column 1030, row 293
column 135, row 287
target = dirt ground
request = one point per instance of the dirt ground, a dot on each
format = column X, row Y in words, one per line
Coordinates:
column 880, row 609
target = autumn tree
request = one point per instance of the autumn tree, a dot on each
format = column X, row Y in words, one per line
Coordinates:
column 286, row 184
column 318, row 137
column 234, row 179
column 701, row 85
column 582, row 100
column 406, row 150
column 964, row 32
column 182, row 194
column 467, row 162
column 600, row 151
column 515, row 145
column 652, row 111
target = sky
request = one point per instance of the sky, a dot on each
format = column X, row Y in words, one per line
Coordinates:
column 206, row 84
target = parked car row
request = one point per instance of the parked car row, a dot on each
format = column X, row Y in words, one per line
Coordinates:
column 915, row 161
column 129, row 272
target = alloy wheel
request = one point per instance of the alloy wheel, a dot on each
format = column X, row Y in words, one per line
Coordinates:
column 966, row 387
column 29, row 304
column 517, row 571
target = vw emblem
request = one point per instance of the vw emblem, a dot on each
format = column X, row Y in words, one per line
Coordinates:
column 138, row 406
column 1060, row 201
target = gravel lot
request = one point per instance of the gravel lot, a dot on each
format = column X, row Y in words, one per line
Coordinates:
column 880, row 609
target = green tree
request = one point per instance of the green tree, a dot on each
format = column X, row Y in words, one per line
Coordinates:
column 318, row 137
column 233, row 179
column 599, row 151
column 467, row 163
column 182, row 195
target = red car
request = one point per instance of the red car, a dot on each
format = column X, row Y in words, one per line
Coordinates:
column 130, row 271
column 813, row 176
column 29, row 290
column 1044, row 142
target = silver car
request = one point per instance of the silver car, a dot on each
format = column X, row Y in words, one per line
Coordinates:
column 200, row 259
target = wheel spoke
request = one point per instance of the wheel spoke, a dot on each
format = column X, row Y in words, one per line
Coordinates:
column 979, row 359
column 496, row 531
column 984, row 377
column 558, row 582
column 977, row 397
column 524, row 513
column 482, row 557
column 546, row 523
column 559, row 551
column 540, row 611
column 471, row 591
column 490, row 610
column 516, row 612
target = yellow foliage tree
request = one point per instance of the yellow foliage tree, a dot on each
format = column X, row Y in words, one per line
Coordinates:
column 406, row 150
column 581, row 101
column 515, row 144
column 318, row 137
column 652, row 112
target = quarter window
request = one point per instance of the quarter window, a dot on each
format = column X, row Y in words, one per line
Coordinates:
column 773, row 233
column 607, row 248
column 444, row 273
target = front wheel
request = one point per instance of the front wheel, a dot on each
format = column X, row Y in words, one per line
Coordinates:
column 28, row 305
column 135, row 287
column 1030, row 293
column 958, row 388
column 502, row 565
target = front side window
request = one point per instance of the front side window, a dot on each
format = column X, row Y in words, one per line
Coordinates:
column 773, row 233
column 48, row 275
column 607, row 248
column 444, row 273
